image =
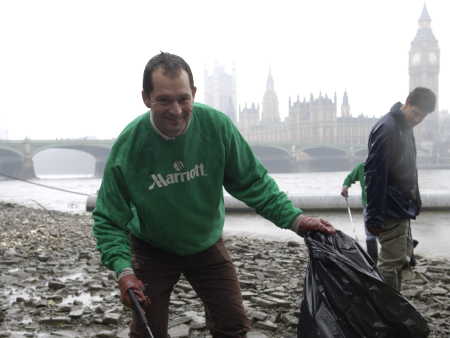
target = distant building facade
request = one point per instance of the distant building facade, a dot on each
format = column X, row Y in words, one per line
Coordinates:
column 220, row 90
column 315, row 122
column 312, row 122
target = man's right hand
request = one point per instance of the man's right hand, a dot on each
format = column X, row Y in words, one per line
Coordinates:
column 131, row 282
column 344, row 192
column 374, row 231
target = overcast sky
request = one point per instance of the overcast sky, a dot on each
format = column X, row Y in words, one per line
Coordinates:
column 74, row 68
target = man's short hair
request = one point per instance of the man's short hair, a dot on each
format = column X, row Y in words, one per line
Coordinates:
column 172, row 65
column 423, row 98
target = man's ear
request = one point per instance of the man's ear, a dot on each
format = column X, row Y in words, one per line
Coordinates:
column 146, row 99
column 194, row 90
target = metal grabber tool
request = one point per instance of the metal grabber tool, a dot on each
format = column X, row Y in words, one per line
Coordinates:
column 137, row 308
column 351, row 220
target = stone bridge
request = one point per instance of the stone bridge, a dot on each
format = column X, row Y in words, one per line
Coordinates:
column 16, row 156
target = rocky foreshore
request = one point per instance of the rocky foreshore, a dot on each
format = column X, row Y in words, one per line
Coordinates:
column 52, row 283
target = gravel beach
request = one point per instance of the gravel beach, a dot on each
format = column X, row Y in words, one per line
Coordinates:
column 52, row 283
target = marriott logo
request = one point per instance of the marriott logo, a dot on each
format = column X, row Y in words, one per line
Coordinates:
column 163, row 180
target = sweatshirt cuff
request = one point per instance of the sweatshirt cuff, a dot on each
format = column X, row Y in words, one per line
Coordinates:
column 295, row 224
column 120, row 265
column 125, row 272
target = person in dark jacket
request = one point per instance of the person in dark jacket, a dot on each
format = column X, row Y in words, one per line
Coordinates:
column 393, row 197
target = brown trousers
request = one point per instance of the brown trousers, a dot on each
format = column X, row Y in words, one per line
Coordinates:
column 211, row 274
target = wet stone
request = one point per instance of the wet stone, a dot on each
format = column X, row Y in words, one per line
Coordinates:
column 258, row 315
column 55, row 298
column 76, row 313
column 293, row 244
column 179, row 331
column 43, row 258
column 99, row 309
column 111, row 318
column 55, row 320
column 105, row 334
column 56, row 285
column 9, row 261
column 84, row 255
column 248, row 294
column 438, row 291
column 64, row 308
column 266, row 325
column 256, row 334
column 179, row 320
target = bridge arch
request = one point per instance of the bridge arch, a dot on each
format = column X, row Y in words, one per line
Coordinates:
column 324, row 151
column 94, row 150
column 11, row 161
column 98, row 152
column 275, row 159
column 324, row 158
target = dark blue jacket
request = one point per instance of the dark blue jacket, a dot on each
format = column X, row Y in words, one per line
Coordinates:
column 391, row 171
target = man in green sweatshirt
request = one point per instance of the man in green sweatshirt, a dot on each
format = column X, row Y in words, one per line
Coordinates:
column 357, row 174
column 160, row 208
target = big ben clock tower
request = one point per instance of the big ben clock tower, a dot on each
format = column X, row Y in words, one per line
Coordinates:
column 424, row 59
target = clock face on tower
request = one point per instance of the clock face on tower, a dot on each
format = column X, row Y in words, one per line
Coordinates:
column 432, row 57
column 415, row 59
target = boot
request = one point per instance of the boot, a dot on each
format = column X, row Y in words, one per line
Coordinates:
column 372, row 250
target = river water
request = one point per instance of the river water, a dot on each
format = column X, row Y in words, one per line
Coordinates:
column 431, row 228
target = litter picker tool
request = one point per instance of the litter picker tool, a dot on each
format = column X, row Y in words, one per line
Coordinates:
column 351, row 219
column 139, row 311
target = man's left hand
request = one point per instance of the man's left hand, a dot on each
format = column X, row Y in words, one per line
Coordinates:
column 307, row 223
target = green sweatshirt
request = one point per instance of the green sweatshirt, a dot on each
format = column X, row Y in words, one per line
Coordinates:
column 170, row 192
column 357, row 174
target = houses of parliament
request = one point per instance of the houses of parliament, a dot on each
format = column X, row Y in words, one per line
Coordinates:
column 313, row 124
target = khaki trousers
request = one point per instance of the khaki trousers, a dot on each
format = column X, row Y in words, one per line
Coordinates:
column 396, row 251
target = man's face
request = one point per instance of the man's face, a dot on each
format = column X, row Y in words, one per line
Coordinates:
column 413, row 115
column 170, row 101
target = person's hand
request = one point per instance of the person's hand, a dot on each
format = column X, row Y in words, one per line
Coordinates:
column 374, row 231
column 131, row 282
column 307, row 223
column 344, row 192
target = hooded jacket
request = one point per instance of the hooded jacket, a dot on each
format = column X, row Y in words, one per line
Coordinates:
column 391, row 171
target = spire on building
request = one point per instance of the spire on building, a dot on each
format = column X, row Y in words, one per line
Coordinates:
column 345, row 98
column 425, row 16
column 270, row 84
column 270, row 109
column 345, row 107
column 424, row 32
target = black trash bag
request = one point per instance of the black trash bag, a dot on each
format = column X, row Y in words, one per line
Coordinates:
column 345, row 296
